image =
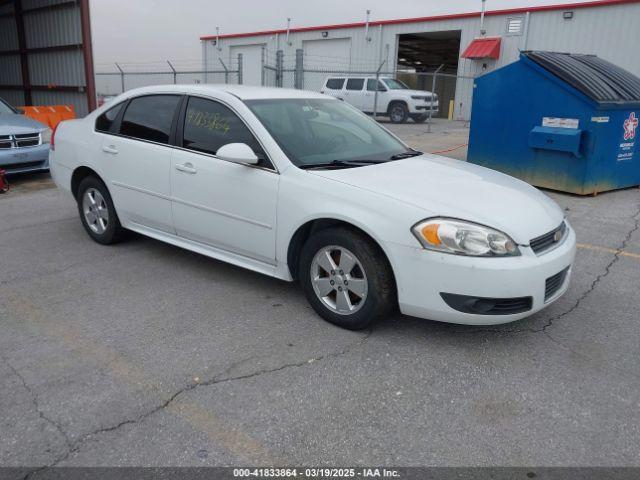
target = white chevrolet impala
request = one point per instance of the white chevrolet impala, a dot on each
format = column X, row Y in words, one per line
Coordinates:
column 301, row 186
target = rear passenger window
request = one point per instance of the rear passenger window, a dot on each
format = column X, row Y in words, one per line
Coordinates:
column 104, row 123
column 355, row 83
column 335, row 83
column 209, row 125
column 150, row 118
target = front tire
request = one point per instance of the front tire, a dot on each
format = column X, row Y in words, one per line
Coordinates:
column 346, row 278
column 398, row 112
column 97, row 213
column 421, row 118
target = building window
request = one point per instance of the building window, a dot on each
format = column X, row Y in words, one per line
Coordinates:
column 515, row 25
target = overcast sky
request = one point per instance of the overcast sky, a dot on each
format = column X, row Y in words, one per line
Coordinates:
column 141, row 32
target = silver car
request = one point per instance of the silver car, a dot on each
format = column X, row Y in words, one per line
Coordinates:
column 24, row 143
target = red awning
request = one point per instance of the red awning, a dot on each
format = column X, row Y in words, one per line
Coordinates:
column 483, row 48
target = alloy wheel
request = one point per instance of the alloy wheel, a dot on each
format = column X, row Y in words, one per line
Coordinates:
column 95, row 211
column 338, row 279
column 397, row 114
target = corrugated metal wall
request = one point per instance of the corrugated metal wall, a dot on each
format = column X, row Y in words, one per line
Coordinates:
column 55, row 33
column 608, row 31
column 9, row 63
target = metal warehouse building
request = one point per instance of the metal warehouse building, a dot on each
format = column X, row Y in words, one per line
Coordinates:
column 45, row 53
column 414, row 48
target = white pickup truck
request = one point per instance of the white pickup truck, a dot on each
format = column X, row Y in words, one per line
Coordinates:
column 395, row 99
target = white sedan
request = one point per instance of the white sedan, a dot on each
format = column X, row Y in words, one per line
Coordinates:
column 301, row 186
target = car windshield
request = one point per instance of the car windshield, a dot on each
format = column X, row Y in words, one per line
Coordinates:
column 5, row 108
column 320, row 131
column 394, row 84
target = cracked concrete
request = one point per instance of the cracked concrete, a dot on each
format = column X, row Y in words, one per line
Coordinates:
column 145, row 354
column 75, row 446
column 36, row 406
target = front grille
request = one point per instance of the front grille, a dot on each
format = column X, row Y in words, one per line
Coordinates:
column 487, row 306
column 511, row 305
column 27, row 140
column 19, row 140
column 548, row 240
column 553, row 284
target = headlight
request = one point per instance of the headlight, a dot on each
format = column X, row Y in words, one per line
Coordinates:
column 46, row 135
column 463, row 238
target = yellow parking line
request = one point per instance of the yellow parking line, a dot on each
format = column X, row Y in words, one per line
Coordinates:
column 597, row 248
column 35, row 319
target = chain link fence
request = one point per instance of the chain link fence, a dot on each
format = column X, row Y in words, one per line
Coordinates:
column 290, row 70
column 309, row 72
column 119, row 78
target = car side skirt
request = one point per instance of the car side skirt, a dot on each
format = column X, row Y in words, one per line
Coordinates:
column 210, row 251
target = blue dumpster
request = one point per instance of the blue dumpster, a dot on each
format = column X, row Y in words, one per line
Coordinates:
column 561, row 121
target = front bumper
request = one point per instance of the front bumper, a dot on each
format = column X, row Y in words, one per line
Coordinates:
column 27, row 159
column 424, row 107
column 422, row 275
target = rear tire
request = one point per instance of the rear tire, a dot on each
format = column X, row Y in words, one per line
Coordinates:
column 398, row 112
column 97, row 213
column 346, row 278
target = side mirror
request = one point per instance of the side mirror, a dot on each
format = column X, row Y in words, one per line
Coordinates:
column 237, row 153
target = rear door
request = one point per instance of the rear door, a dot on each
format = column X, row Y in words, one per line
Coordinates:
column 137, row 160
column 354, row 92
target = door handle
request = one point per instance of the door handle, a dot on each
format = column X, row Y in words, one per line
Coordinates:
column 186, row 168
column 110, row 149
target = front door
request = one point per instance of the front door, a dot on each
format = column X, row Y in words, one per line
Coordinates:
column 369, row 98
column 223, row 204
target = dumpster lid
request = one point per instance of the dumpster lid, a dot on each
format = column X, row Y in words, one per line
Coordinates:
column 596, row 78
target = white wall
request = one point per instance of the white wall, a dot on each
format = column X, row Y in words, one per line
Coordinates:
column 610, row 32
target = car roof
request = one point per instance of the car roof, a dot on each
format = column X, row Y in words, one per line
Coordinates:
column 244, row 92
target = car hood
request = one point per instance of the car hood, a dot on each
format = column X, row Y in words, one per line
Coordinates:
column 11, row 124
column 409, row 93
column 452, row 188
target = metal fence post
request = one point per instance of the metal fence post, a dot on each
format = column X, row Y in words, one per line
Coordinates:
column 298, row 81
column 121, row 77
column 262, row 54
column 433, row 91
column 226, row 71
column 175, row 74
column 239, row 69
column 279, row 67
column 375, row 94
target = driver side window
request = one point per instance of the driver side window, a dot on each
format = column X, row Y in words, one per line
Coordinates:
column 208, row 125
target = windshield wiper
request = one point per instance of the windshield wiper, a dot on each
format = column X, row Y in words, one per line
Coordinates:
column 400, row 156
column 341, row 163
